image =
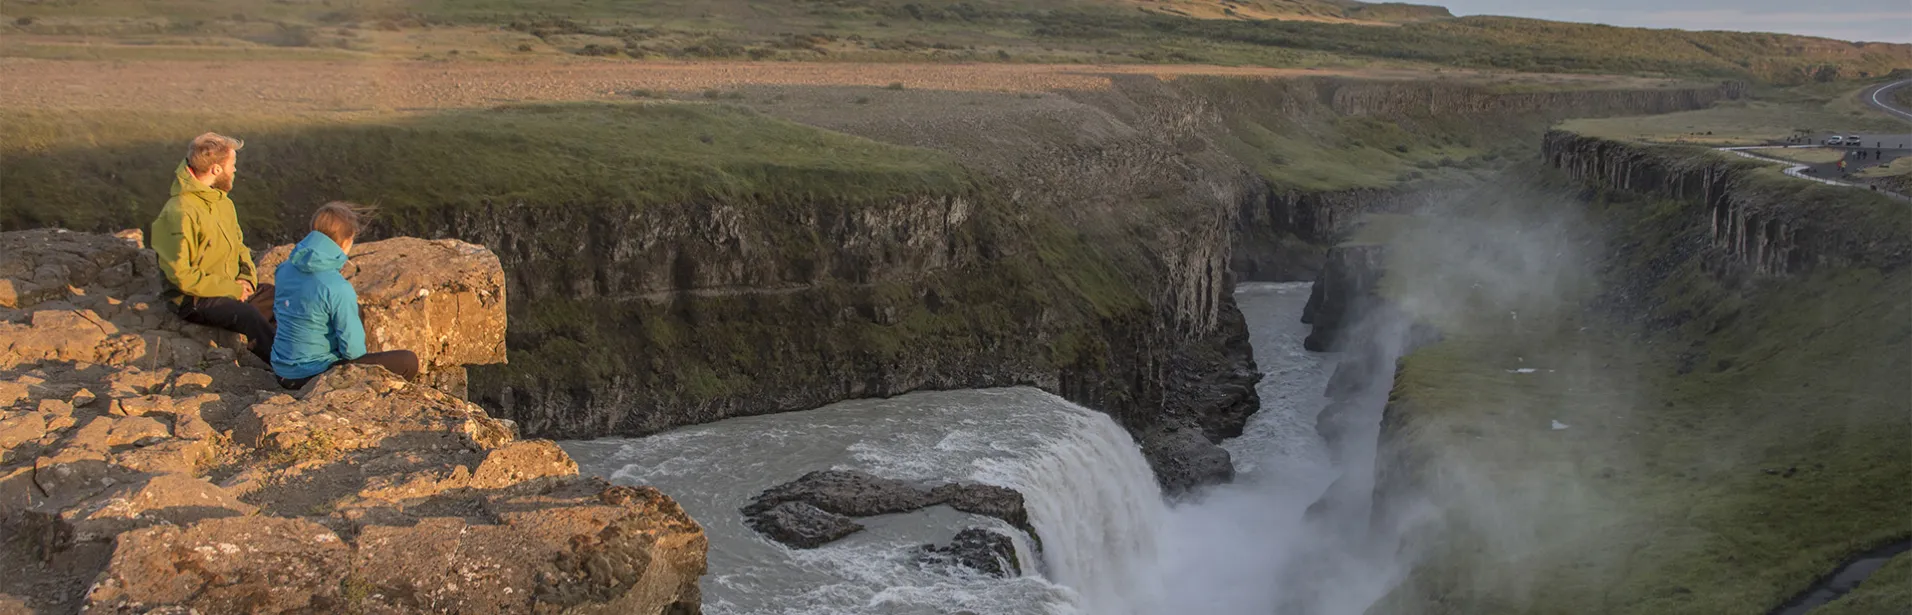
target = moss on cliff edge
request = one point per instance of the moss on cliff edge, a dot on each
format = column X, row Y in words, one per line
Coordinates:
column 106, row 171
column 1689, row 441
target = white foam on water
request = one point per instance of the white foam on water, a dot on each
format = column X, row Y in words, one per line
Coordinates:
column 1020, row 438
column 1095, row 502
column 1110, row 544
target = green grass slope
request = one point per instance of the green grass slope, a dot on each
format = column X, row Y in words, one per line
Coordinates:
column 92, row 171
column 1725, row 440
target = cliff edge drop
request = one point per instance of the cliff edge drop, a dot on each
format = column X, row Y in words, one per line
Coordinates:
column 145, row 464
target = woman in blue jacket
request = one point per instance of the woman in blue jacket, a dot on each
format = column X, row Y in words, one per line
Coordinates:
column 318, row 310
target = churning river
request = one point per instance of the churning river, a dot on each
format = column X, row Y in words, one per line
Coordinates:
column 1112, row 544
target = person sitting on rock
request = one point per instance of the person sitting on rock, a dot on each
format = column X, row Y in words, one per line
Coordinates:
column 318, row 309
column 209, row 275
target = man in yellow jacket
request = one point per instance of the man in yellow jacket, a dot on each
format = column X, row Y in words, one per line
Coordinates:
column 210, row 277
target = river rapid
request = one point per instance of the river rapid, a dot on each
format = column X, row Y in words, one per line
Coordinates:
column 1112, row 544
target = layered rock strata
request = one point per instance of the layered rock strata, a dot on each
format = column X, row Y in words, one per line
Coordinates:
column 145, row 465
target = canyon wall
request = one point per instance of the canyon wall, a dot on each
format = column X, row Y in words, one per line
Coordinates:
column 1759, row 222
column 1283, row 231
column 1095, row 268
column 1630, row 330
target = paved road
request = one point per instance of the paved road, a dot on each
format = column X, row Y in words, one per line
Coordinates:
column 1806, row 171
column 1881, row 98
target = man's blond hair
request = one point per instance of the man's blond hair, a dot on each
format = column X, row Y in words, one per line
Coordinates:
column 210, row 149
column 340, row 220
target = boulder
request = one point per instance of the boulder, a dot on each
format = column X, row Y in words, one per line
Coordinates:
column 1182, row 455
column 443, row 299
column 816, row 508
column 801, row 525
column 987, row 551
column 844, row 492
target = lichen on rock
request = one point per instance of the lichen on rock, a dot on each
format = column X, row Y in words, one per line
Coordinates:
column 147, row 466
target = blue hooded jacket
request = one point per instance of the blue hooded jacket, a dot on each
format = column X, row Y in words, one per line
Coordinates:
column 317, row 311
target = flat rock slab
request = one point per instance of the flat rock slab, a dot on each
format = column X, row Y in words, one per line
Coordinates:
column 443, row 299
column 801, row 525
column 815, row 509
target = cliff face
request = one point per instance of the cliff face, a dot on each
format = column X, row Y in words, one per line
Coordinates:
column 1431, row 99
column 146, row 464
column 631, row 322
column 1758, row 223
column 1283, row 231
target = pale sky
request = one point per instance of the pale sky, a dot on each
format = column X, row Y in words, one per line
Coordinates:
column 1852, row 20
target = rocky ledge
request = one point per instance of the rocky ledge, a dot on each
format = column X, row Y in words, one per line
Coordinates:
column 145, row 465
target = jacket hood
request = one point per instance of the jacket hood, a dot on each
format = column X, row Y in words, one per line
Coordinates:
column 317, row 253
column 184, row 182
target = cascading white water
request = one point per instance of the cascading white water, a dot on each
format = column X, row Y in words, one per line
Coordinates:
column 1091, row 497
column 1111, row 545
column 1095, row 502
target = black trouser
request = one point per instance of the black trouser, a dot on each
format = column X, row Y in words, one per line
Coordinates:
column 401, row 362
column 251, row 318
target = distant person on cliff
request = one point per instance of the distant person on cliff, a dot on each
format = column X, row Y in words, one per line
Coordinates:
column 318, row 310
column 209, row 275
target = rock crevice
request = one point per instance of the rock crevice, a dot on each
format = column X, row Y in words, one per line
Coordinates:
column 145, row 465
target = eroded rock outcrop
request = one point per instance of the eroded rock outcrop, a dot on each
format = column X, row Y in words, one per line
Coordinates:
column 1347, row 288
column 817, row 507
column 987, row 551
column 1759, row 224
column 442, row 299
column 147, row 466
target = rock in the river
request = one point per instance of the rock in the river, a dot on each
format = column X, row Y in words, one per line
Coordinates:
column 986, row 551
column 815, row 509
column 844, row 492
column 988, row 500
column 801, row 525
column 1347, row 287
column 1183, row 456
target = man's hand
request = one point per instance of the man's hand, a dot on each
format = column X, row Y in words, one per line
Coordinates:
column 245, row 290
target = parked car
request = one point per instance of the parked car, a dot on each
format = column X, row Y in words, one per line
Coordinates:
column 1852, row 141
column 1836, row 141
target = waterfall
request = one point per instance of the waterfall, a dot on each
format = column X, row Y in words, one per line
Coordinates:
column 1094, row 501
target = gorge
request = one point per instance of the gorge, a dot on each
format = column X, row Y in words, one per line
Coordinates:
column 1097, row 298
